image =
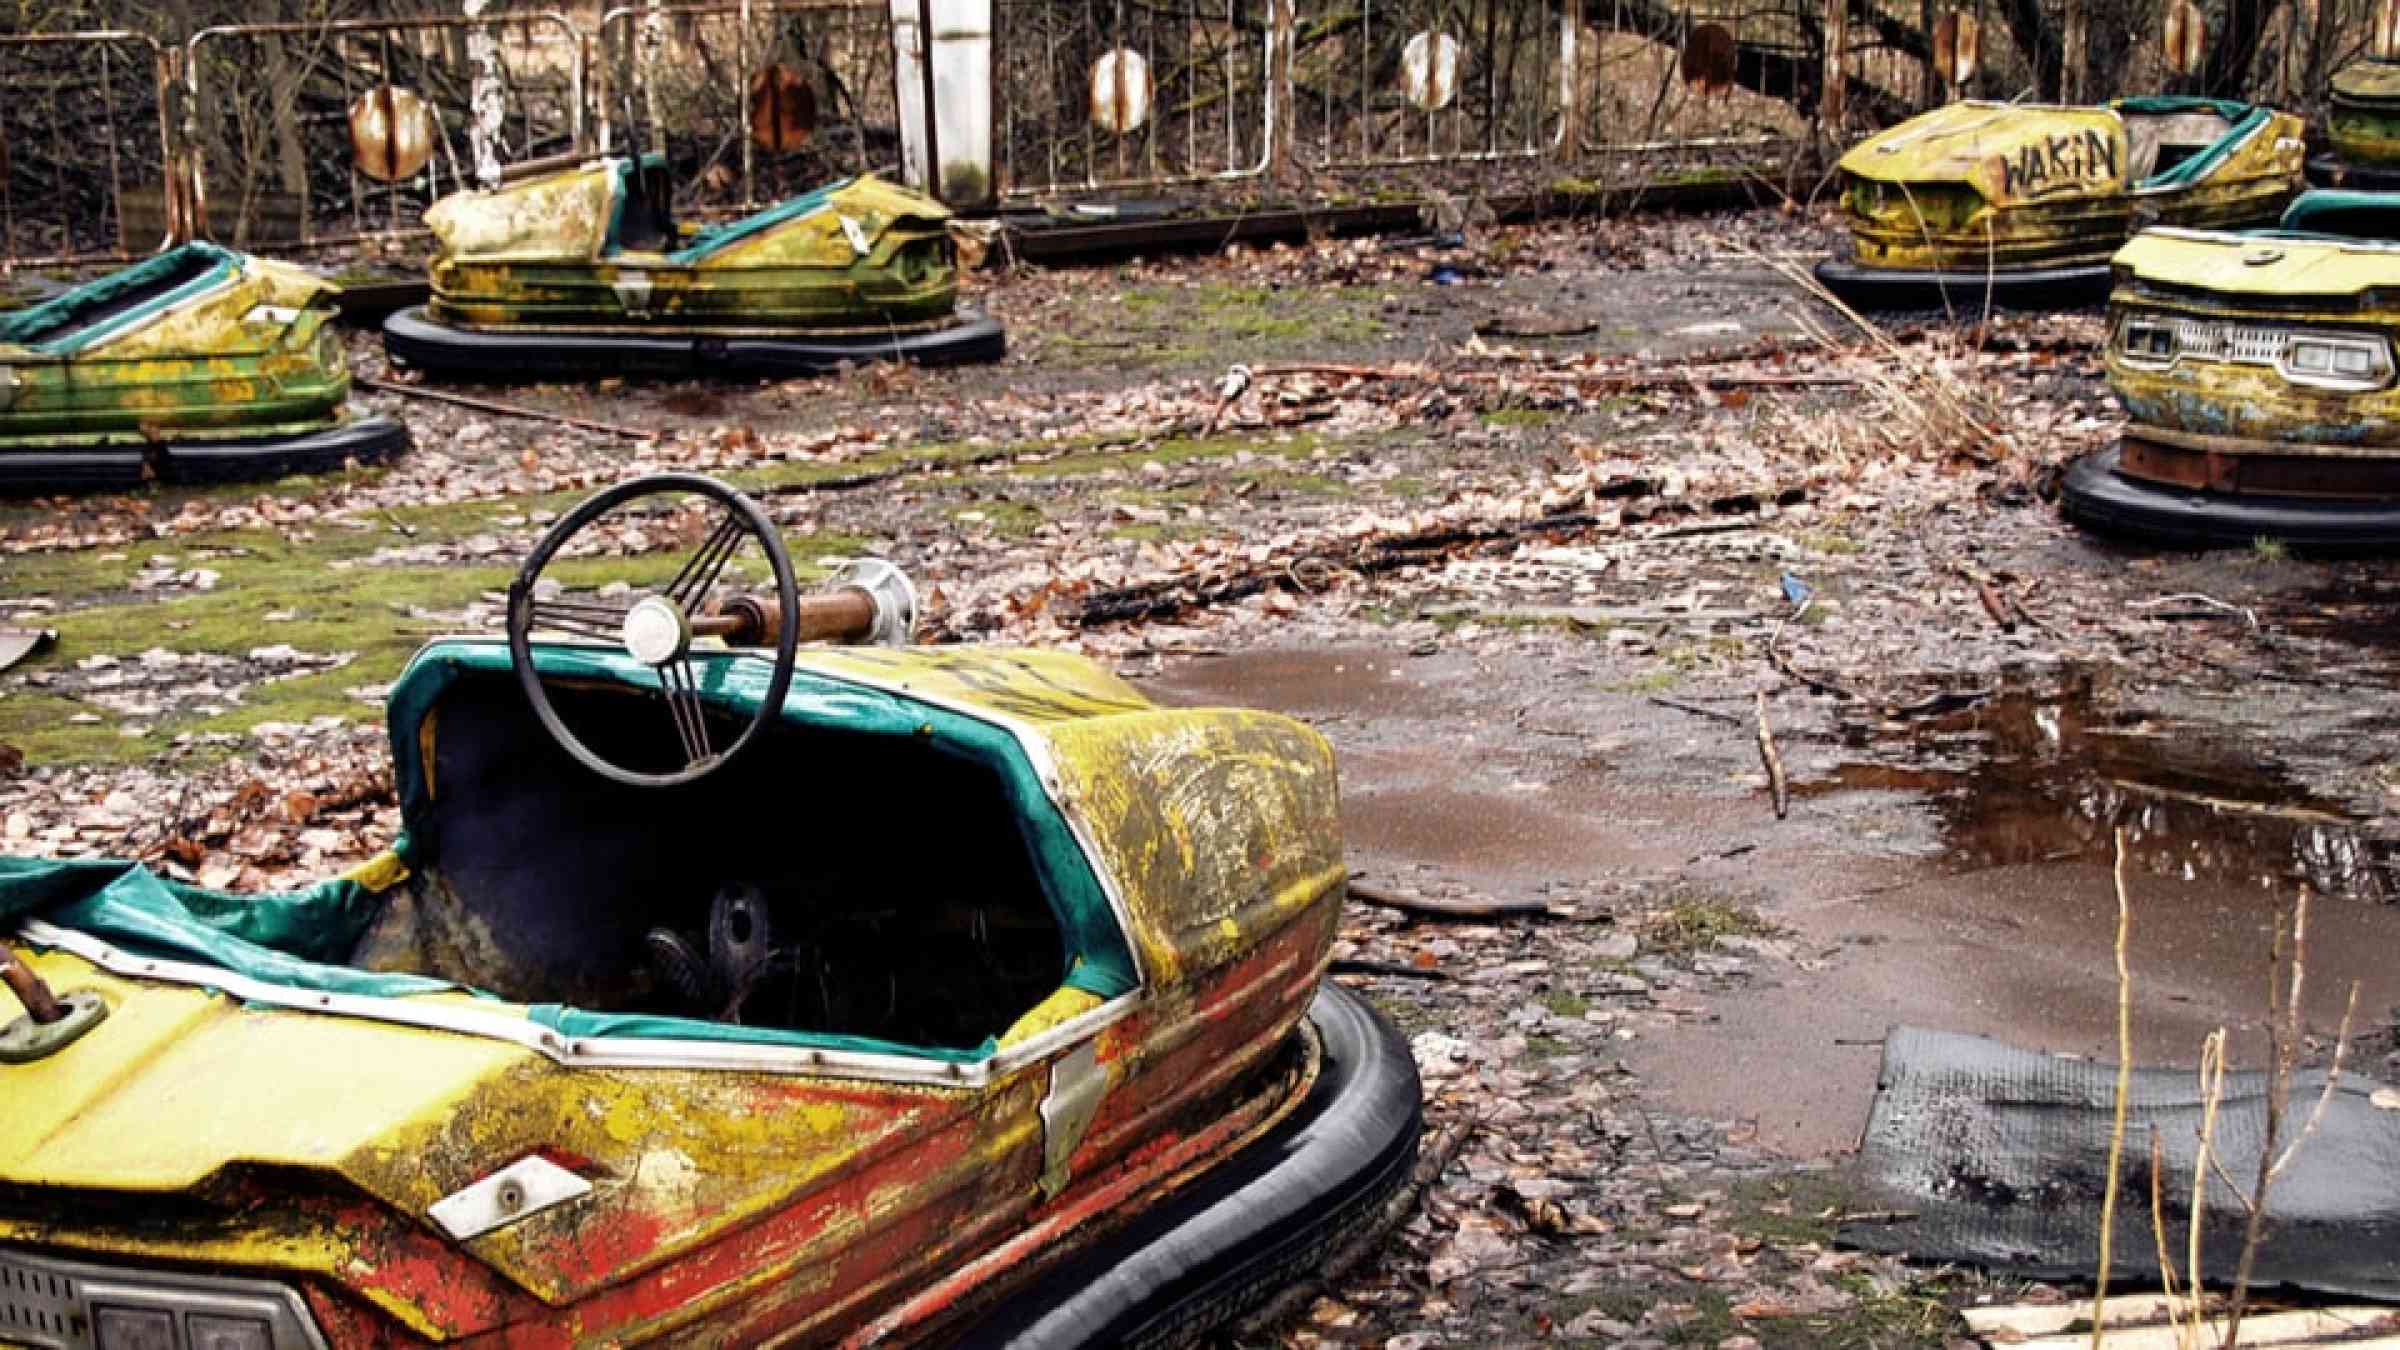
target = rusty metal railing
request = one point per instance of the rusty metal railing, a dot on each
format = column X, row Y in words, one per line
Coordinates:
column 757, row 100
column 1104, row 94
column 408, row 109
column 90, row 184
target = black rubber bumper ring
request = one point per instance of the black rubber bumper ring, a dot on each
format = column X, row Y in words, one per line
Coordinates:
column 414, row 340
column 2096, row 496
column 2018, row 288
column 1248, row 1226
column 31, row 467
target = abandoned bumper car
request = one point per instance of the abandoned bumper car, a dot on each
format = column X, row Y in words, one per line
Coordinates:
column 199, row 365
column 2021, row 206
column 2362, row 128
column 584, row 272
column 2256, row 372
column 723, row 987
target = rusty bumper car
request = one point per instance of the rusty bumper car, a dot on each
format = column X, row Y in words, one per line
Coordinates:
column 199, row 365
column 582, row 272
column 2362, row 128
column 725, row 986
column 2257, row 373
column 2021, row 206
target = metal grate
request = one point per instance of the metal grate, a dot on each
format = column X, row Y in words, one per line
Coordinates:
column 39, row 1307
column 2243, row 344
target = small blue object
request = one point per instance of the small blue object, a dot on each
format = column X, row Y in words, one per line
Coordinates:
column 1796, row 590
column 1446, row 275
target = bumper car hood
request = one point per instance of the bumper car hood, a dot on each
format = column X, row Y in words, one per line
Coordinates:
column 2264, row 264
column 2004, row 152
column 146, row 1140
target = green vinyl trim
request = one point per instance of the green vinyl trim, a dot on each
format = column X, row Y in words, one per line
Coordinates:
column 19, row 327
column 292, row 938
column 2310, row 211
column 1099, row 961
column 2246, row 119
column 710, row 240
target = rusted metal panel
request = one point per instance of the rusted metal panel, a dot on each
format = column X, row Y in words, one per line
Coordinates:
column 1220, row 826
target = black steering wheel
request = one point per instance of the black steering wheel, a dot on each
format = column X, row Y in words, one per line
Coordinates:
column 657, row 628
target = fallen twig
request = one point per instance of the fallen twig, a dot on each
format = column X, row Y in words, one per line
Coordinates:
column 2116, row 1134
column 1776, row 785
column 1355, row 965
column 1409, row 903
column 1696, row 711
column 505, row 409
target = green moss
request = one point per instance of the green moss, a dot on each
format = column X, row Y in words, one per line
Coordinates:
column 1176, row 450
column 1211, row 323
column 1789, row 1209
column 1006, row 516
column 1566, row 1003
column 328, row 600
column 1835, row 545
column 1519, row 417
column 1693, row 923
column 1654, row 682
column 1548, row 1047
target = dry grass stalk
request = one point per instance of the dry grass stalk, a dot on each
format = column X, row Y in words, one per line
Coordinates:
column 1925, row 405
column 2116, row 1134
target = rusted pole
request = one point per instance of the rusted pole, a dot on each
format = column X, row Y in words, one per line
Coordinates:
column 2074, row 51
column 1282, row 30
column 846, row 615
column 1837, row 41
column 506, row 409
column 40, row 1004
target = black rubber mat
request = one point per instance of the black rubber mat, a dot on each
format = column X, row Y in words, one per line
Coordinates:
column 2001, row 1156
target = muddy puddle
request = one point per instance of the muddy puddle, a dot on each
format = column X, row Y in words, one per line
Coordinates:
column 2025, row 777
column 1948, row 871
column 2008, row 933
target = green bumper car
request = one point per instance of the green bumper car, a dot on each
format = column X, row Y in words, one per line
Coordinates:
column 199, row 365
column 583, row 273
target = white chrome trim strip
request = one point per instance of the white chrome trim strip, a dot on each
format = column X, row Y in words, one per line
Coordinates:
column 595, row 1052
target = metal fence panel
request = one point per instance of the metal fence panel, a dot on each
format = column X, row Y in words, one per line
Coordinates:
column 83, row 147
column 1665, row 81
column 1390, row 82
column 754, row 102
column 282, row 118
column 1105, row 94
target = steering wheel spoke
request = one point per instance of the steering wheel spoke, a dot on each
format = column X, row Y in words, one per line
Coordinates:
column 657, row 630
column 682, row 686
column 691, row 585
column 581, row 618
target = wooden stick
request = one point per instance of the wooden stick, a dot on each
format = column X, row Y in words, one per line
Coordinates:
column 2116, row 1134
column 1408, row 903
column 1776, row 785
column 504, row 409
column 1361, row 966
